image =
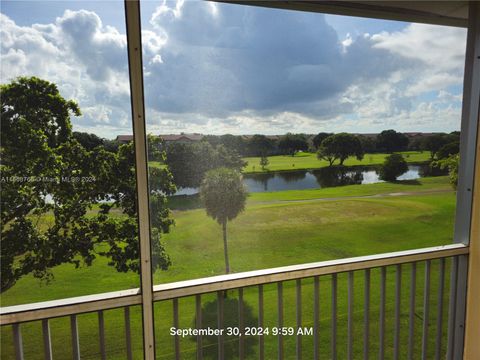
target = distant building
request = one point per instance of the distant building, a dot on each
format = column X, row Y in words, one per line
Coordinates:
column 124, row 138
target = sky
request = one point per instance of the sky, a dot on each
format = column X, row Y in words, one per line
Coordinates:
column 220, row 68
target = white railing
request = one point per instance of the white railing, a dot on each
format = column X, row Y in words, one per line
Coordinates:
column 43, row 311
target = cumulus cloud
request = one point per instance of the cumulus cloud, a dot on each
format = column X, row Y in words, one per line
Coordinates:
column 270, row 62
column 440, row 49
column 217, row 68
column 86, row 59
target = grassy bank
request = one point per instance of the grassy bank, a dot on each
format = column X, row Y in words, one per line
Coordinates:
column 278, row 228
column 302, row 161
column 421, row 185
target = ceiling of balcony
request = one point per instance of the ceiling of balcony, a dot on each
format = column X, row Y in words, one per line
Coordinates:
column 452, row 13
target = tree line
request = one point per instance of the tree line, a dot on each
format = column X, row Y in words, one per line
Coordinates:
column 387, row 141
column 188, row 162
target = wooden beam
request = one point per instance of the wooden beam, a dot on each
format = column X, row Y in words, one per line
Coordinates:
column 472, row 322
column 69, row 306
column 409, row 11
column 135, row 62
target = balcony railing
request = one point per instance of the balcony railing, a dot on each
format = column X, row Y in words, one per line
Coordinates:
column 358, row 273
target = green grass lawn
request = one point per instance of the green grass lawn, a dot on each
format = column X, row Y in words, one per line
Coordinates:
column 277, row 229
column 302, row 161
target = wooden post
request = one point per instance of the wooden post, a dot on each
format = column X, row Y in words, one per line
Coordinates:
column 134, row 44
column 472, row 323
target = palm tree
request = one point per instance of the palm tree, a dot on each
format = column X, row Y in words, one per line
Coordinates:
column 224, row 196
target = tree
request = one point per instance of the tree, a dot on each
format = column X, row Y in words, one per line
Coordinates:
column 340, row 146
column 224, row 195
column 155, row 148
column 390, row 141
column 88, row 141
column 451, row 163
column 393, row 166
column 368, row 143
column 292, row 143
column 232, row 143
column 416, row 144
column 260, row 145
column 111, row 145
column 264, row 162
column 188, row 163
column 317, row 139
column 434, row 143
column 448, row 149
column 47, row 172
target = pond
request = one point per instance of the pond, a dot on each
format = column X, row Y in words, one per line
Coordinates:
column 320, row 178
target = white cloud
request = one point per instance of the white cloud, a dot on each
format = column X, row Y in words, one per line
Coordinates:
column 439, row 46
column 226, row 68
column 86, row 59
column 440, row 49
column 347, row 42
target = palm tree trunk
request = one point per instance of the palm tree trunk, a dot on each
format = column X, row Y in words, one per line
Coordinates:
column 225, row 247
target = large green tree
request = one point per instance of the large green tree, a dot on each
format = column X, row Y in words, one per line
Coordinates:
column 449, row 149
column 292, row 143
column 224, row 195
column 390, row 141
column 340, row 147
column 260, row 145
column 87, row 140
column 235, row 143
column 63, row 203
column 189, row 162
column 435, row 142
column 317, row 139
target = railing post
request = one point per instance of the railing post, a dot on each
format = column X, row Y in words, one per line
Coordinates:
column 17, row 340
column 47, row 342
column 75, row 337
column 134, row 44
column 280, row 319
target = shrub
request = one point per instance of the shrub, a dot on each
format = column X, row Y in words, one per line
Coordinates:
column 450, row 163
column 394, row 166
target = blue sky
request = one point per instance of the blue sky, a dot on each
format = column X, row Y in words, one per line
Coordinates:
column 221, row 68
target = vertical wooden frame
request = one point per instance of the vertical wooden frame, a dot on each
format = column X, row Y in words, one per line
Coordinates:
column 472, row 321
column 134, row 44
column 468, row 208
column 466, row 221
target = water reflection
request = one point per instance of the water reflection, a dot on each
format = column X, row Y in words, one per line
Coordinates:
column 328, row 177
column 262, row 180
column 337, row 176
column 292, row 176
column 324, row 177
